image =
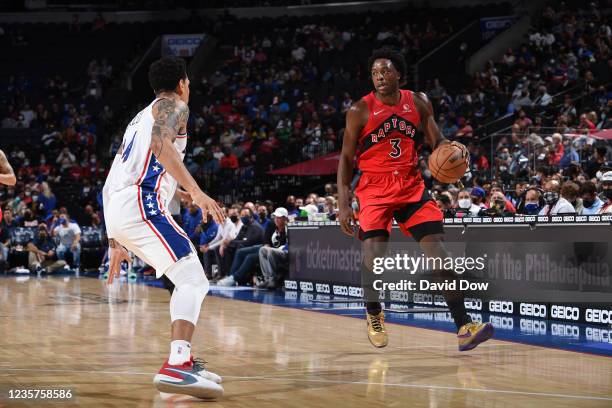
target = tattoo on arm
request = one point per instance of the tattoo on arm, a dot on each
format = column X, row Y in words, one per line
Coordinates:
column 170, row 115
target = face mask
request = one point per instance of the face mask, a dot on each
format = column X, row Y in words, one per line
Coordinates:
column 503, row 156
column 355, row 206
column 532, row 208
column 465, row 203
column 234, row 218
column 245, row 220
column 262, row 216
column 551, row 197
column 321, row 207
column 587, row 203
column 290, row 207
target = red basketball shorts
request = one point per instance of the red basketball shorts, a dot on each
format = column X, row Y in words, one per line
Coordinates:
column 386, row 196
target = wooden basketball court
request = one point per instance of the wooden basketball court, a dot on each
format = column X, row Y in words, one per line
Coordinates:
column 106, row 343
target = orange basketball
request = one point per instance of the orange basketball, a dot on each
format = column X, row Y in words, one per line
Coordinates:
column 447, row 163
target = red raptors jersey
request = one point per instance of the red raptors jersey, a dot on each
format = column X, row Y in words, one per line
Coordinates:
column 388, row 141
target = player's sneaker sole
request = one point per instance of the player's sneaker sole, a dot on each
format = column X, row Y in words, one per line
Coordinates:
column 480, row 337
column 191, row 384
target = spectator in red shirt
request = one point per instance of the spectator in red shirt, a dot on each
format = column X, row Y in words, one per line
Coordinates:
column 229, row 159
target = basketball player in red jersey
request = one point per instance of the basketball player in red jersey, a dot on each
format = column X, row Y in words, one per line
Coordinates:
column 7, row 175
column 385, row 129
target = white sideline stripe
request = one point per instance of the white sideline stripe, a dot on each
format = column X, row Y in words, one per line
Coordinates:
column 425, row 386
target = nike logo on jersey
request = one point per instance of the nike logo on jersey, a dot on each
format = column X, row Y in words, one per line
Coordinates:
column 380, row 111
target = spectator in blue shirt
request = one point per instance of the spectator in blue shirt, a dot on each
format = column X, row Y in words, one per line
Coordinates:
column 262, row 217
column 208, row 232
column 590, row 201
column 569, row 155
column 192, row 217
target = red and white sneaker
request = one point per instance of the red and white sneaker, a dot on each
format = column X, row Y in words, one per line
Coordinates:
column 186, row 379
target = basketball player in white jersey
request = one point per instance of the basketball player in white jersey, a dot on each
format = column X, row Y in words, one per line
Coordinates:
column 141, row 182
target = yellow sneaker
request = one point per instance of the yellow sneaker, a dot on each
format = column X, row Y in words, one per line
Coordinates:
column 472, row 334
column 376, row 329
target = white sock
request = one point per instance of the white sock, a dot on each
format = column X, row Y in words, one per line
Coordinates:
column 180, row 352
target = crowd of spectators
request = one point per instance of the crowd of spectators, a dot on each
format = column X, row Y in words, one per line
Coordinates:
column 279, row 96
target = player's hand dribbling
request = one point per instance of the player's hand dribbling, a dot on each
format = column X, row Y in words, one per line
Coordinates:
column 116, row 255
column 208, row 205
column 347, row 220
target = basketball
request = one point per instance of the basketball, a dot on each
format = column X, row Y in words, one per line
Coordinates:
column 447, row 163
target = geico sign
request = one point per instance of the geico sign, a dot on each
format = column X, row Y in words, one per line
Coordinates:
column 395, row 295
column 565, row 312
column 532, row 309
column 306, row 286
column 422, row 298
column 322, row 287
column 473, row 304
column 599, row 335
column 598, row 316
column 500, row 306
column 340, row 290
column 564, row 330
column 291, row 284
column 353, row 291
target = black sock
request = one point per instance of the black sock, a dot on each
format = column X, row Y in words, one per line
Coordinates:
column 457, row 311
column 373, row 308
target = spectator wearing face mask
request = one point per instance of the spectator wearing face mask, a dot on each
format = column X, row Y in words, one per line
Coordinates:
column 533, row 202
column 570, row 191
column 192, row 218
column 555, row 204
column 69, row 235
column 291, row 206
column 590, row 200
column 42, row 253
column 249, row 236
column 465, row 206
column 478, row 196
column 606, row 191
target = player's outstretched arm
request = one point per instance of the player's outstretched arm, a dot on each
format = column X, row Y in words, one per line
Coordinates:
column 354, row 124
column 7, row 175
column 171, row 116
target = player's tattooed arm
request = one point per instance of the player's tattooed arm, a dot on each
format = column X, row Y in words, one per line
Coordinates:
column 7, row 175
column 170, row 117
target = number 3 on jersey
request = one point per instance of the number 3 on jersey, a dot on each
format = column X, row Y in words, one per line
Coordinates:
column 397, row 150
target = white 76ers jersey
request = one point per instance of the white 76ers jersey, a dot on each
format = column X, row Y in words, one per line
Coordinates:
column 137, row 166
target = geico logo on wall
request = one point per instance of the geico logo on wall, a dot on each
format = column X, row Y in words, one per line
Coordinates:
column 340, row 290
column 502, row 322
column 322, row 288
column 473, row 304
column 564, row 330
column 532, row 326
column 291, row 284
column 398, row 296
column 353, row 291
column 501, row 306
column 422, row 298
column 564, row 312
column 306, row 286
column 598, row 316
column 532, row 309
column 599, row 335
